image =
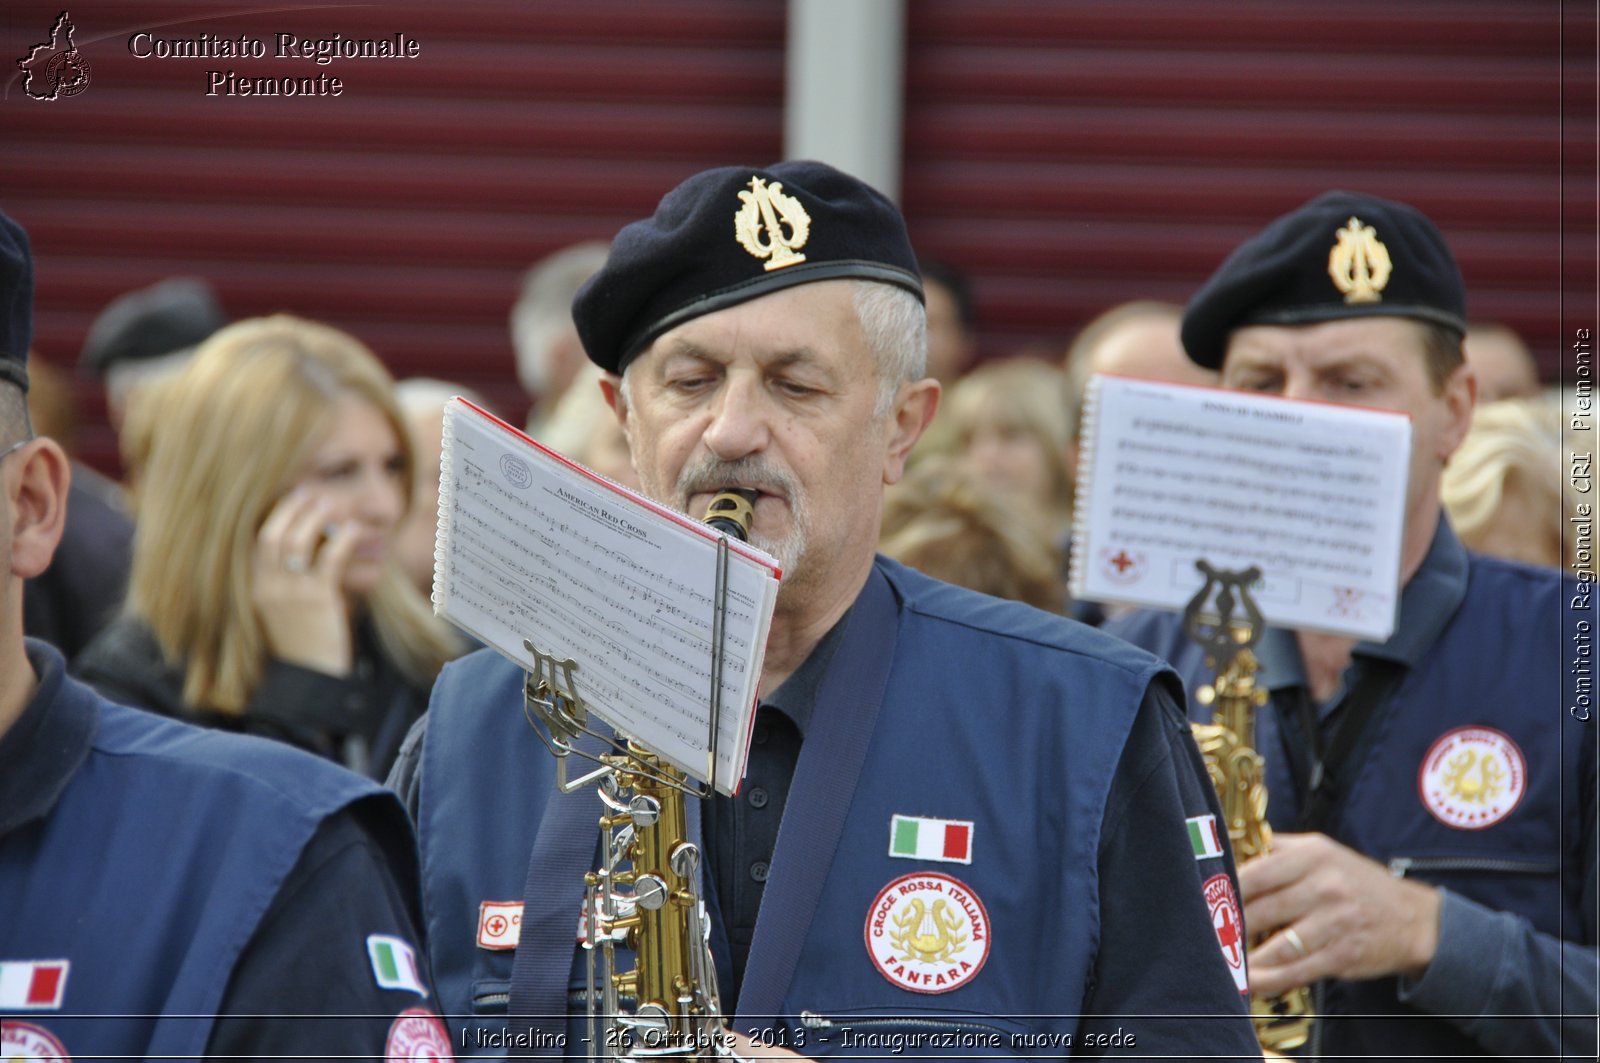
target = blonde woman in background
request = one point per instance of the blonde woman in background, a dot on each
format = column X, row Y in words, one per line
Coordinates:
column 264, row 595
column 1006, row 421
column 1503, row 486
column 943, row 520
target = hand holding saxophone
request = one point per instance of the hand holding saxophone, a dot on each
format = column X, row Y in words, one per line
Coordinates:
column 1349, row 916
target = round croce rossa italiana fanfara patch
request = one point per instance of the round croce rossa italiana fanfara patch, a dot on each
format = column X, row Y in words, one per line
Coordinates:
column 1472, row 778
column 928, row 933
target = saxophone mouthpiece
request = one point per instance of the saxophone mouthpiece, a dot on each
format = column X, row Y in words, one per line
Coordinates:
column 731, row 512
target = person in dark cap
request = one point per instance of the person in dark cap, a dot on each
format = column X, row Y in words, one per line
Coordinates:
column 171, row 892
column 1435, row 872
column 148, row 333
column 763, row 330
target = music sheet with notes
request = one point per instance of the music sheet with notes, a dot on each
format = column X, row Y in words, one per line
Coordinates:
column 533, row 546
column 1313, row 493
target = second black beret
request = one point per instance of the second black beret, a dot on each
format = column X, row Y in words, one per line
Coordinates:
column 1342, row 255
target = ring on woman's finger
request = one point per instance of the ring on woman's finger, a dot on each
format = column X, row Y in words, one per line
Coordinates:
column 1293, row 938
column 295, row 563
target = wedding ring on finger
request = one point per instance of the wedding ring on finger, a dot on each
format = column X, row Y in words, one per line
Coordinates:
column 295, row 563
column 1292, row 936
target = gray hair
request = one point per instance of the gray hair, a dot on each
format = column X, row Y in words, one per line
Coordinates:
column 14, row 424
column 543, row 313
column 896, row 329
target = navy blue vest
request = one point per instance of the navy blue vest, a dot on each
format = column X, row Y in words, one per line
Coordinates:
column 1500, row 663
column 152, row 870
column 995, row 714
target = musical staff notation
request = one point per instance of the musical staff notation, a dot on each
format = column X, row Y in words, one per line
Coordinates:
column 531, row 547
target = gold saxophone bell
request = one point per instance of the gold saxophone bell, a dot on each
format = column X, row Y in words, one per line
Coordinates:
column 1227, row 743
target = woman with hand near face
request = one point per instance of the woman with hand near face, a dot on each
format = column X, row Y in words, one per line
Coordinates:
column 264, row 595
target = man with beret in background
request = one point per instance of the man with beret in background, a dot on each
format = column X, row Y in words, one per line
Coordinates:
column 168, row 892
column 1022, row 781
column 1438, row 886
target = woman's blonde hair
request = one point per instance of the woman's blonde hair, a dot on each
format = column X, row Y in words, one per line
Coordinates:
column 237, row 427
column 944, row 521
column 1511, row 456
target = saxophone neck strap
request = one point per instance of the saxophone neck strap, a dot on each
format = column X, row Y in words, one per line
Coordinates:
column 1324, row 773
column 825, row 777
column 563, row 850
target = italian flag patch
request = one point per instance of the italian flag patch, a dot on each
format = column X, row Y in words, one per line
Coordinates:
column 1203, row 837
column 945, row 840
column 394, row 964
column 33, row 985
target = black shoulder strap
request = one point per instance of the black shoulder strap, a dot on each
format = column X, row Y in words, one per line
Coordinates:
column 1327, row 778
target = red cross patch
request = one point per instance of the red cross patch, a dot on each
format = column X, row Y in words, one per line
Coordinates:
column 1227, row 921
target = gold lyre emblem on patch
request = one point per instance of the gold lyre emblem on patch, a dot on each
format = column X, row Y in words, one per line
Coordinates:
column 767, row 210
column 1359, row 263
column 1479, row 788
column 931, row 935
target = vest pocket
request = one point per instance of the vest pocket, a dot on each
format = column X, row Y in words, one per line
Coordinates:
column 490, row 996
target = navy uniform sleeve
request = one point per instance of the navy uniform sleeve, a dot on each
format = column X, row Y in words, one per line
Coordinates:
column 1170, row 920
column 327, row 973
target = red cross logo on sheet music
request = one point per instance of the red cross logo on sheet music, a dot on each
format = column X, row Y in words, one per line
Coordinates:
column 24, row 1040
column 1227, row 922
column 1472, row 778
column 1122, row 566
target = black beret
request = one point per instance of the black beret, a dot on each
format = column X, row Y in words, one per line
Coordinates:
column 732, row 234
column 1341, row 255
column 16, row 303
column 169, row 316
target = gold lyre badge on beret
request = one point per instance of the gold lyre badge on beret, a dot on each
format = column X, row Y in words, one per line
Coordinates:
column 1359, row 263
column 767, row 210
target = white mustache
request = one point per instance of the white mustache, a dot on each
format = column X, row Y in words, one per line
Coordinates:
column 707, row 473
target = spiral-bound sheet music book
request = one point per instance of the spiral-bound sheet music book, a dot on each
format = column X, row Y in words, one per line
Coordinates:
column 533, row 546
column 1313, row 493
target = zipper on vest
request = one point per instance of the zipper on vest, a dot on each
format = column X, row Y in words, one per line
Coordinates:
column 1401, row 866
column 485, row 1000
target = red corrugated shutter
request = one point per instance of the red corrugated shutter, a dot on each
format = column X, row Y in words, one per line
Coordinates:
column 406, row 209
column 1072, row 155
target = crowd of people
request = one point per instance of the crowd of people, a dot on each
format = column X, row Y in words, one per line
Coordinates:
column 229, row 718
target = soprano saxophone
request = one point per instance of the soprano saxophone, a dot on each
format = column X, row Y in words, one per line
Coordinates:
column 646, row 894
column 1227, row 743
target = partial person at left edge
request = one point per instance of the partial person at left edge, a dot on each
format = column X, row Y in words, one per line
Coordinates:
column 168, row 891
column 140, row 337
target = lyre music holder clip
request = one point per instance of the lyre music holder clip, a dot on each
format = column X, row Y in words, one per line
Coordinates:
column 1219, row 632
